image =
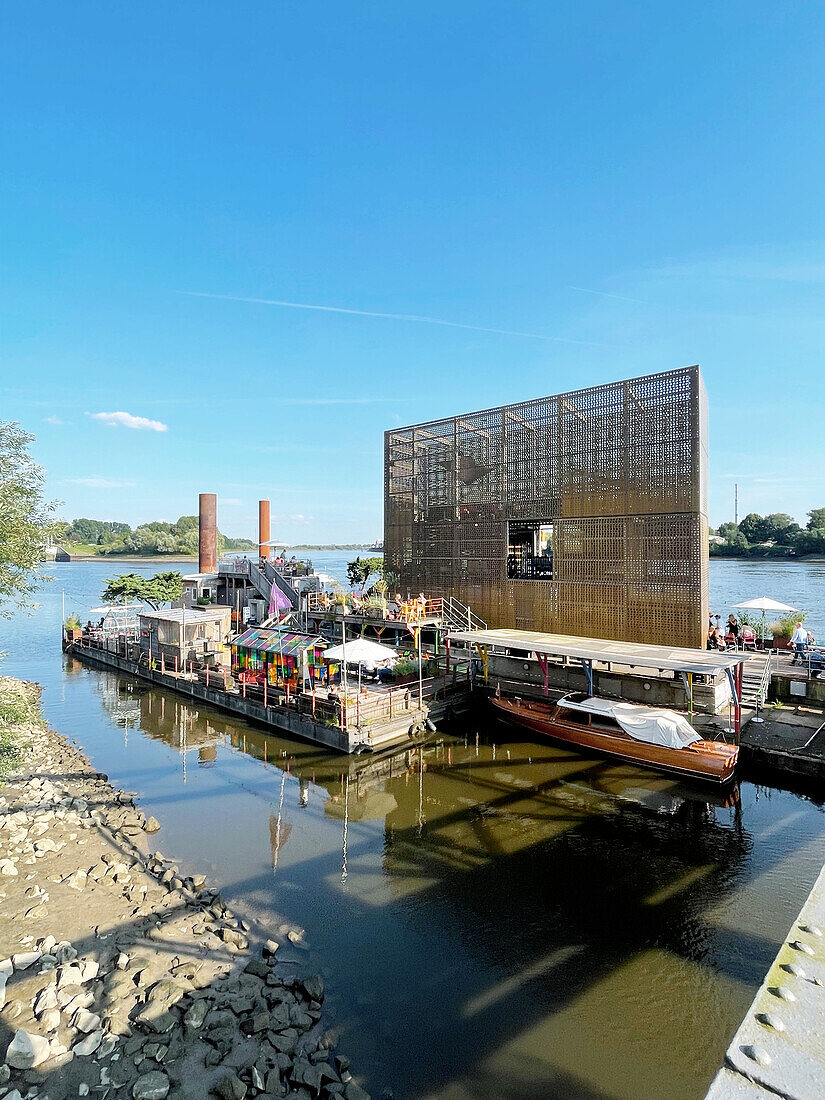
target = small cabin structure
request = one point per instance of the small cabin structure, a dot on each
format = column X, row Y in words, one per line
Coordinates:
column 183, row 634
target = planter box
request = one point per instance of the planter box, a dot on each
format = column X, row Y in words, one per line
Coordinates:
column 407, row 678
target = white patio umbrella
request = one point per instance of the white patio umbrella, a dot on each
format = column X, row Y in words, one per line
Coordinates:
column 360, row 649
column 764, row 604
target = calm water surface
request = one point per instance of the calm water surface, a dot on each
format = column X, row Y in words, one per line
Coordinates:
column 493, row 918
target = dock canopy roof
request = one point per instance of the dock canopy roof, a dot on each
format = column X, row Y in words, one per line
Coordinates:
column 283, row 642
column 635, row 654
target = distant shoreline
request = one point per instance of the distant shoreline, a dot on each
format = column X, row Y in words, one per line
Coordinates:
column 126, row 558
column 796, row 560
column 122, row 557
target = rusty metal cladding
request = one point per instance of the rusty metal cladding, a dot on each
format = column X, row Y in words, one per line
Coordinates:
column 263, row 528
column 207, row 533
column 583, row 513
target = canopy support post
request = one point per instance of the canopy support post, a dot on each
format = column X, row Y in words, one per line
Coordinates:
column 544, row 665
column 735, row 681
column 687, row 680
column 482, row 652
column 588, row 671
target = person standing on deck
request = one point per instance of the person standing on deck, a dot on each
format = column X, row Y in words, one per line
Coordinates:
column 799, row 640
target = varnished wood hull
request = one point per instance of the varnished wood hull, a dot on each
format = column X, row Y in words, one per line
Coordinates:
column 709, row 761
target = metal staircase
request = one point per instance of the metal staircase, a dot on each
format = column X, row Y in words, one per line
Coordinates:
column 756, row 680
column 271, row 576
column 260, row 577
column 457, row 616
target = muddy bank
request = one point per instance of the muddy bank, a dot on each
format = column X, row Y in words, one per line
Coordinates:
column 121, row 977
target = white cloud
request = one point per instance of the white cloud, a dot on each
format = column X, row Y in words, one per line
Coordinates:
column 99, row 483
column 53, row 420
column 127, row 420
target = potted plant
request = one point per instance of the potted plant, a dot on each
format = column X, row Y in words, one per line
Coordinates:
column 72, row 628
column 405, row 670
column 783, row 628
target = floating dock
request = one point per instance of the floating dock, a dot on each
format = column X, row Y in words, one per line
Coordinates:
column 359, row 725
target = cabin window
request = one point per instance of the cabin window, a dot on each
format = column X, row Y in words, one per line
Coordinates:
column 530, row 550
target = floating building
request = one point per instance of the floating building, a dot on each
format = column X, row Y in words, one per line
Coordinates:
column 584, row 513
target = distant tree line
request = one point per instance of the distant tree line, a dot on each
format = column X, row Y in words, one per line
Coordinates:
column 109, row 537
column 773, row 536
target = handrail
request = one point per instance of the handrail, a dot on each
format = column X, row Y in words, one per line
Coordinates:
column 765, row 681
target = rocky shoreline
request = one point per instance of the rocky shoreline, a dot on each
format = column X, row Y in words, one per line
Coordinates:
column 121, row 977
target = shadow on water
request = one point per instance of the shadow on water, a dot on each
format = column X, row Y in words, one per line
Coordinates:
column 493, row 918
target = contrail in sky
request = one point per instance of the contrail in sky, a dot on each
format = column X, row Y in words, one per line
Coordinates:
column 604, row 294
column 390, row 317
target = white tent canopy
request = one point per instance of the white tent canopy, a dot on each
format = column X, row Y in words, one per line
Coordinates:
column 360, row 650
column 116, row 608
column 763, row 604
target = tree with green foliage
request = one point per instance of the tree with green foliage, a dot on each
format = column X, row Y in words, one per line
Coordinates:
column 362, row 569
column 727, row 531
column 95, row 531
column 816, row 519
column 25, row 519
column 163, row 588
column 754, row 528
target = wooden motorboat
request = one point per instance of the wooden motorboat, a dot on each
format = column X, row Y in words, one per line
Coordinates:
column 647, row 736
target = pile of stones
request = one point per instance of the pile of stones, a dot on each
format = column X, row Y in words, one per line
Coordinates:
column 155, row 994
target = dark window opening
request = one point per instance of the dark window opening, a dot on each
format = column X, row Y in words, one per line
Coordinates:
column 530, row 551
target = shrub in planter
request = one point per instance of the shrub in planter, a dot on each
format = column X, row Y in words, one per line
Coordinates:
column 783, row 628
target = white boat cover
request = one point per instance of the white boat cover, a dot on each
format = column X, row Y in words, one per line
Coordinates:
column 657, row 727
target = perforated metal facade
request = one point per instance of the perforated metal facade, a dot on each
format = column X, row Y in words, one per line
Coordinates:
column 583, row 513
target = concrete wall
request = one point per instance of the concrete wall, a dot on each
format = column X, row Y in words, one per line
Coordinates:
column 814, row 689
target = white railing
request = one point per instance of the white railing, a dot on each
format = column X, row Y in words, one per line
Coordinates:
column 234, row 565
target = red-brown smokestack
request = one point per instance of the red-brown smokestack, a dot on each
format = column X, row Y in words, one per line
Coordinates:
column 208, row 533
column 263, row 528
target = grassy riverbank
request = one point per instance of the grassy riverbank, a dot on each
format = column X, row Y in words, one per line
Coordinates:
column 19, row 712
column 118, row 971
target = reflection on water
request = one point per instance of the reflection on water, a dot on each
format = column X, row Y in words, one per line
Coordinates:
column 493, row 917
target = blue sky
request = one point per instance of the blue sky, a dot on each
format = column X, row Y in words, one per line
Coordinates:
column 616, row 188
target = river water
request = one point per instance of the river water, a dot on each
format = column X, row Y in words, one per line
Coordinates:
column 493, row 918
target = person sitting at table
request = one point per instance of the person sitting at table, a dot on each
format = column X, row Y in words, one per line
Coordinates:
column 748, row 636
column 732, row 628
